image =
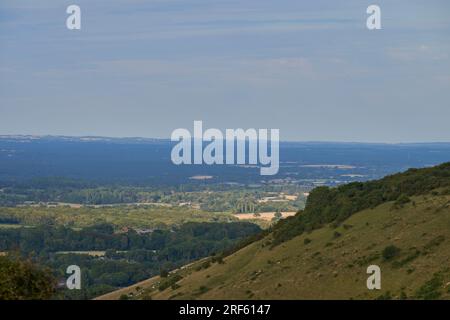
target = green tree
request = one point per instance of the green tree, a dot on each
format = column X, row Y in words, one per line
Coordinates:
column 390, row 252
column 24, row 280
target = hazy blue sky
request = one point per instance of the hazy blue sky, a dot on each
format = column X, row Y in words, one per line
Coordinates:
column 145, row 68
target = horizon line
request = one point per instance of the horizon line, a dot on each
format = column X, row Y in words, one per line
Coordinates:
column 101, row 137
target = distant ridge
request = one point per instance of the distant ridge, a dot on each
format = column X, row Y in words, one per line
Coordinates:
column 147, row 139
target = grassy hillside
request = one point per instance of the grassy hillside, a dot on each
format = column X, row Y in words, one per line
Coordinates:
column 331, row 263
column 400, row 223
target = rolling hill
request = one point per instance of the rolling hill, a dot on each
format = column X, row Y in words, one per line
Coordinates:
column 400, row 223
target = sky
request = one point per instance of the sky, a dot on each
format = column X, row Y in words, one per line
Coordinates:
column 311, row 69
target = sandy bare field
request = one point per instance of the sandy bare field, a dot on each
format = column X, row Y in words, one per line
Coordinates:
column 89, row 253
column 267, row 216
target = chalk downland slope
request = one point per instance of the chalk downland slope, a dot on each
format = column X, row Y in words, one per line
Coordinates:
column 331, row 263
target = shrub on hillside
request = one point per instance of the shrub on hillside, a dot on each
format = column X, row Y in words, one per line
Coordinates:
column 401, row 201
column 431, row 290
column 163, row 273
column 336, row 234
column 170, row 281
column 390, row 252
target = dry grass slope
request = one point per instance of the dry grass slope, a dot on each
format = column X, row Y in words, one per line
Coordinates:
column 330, row 263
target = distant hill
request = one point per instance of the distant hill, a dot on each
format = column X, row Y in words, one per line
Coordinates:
column 400, row 223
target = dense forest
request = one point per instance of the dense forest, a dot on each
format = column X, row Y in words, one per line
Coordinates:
column 199, row 237
column 126, row 257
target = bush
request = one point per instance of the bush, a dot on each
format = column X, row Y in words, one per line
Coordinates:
column 218, row 259
column 175, row 286
column 431, row 289
column 202, row 289
column 411, row 257
column 390, row 252
column 385, row 296
column 164, row 273
column 403, row 295
column 170, row 281
column 435, row 242
column 403, row 199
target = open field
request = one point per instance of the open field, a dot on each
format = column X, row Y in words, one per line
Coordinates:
column 79, row 205
column 10, row 225
column 89, row 253
column 121, row 216
column 266, row 216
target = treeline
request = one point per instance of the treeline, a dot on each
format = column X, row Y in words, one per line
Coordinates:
column 9, row 220
column 12, row 196
column 333, row 205
column 60, row 189
column 195, row 239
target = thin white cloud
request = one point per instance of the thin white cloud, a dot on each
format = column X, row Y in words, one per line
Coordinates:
column 417, row 52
